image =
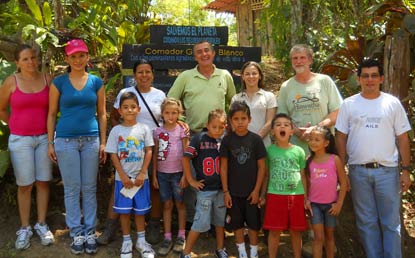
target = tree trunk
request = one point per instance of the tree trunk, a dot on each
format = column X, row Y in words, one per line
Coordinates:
column 296, row 20
column 57, row 7
column 397, row 69
column 397, row 65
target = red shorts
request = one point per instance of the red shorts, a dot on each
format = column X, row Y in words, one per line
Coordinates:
column 284, row 212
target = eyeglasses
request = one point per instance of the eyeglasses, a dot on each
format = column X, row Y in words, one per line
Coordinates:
column 366, row 76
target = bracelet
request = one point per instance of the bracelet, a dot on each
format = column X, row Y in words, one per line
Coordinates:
column 406, row 168
column 227, row 191
column 51, row 142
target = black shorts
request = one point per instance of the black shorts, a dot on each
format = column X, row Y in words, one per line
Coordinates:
column 241, row 213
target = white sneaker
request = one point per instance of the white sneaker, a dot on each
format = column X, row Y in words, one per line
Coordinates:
column 23, row 238
column 146, row 251
column 127, row 249
column 46, row 236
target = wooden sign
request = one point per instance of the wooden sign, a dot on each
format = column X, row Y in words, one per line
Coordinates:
column 181, row 56
column 173, row 34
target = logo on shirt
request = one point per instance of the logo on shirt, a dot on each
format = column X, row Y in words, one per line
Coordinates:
column 163, row 146
column 242, row 154
column 128, row 149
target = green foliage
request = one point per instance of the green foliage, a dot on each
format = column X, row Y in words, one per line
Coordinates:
column 6, row 68
column 4, row 153
column 107, row 25
column 4, row 162
column 183, row 14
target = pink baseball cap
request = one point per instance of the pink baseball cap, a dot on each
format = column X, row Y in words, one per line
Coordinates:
column 75, row 45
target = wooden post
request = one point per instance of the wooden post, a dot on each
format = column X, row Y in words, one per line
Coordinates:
column 397, row 66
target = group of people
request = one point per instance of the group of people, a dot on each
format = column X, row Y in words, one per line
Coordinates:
column 218, row 169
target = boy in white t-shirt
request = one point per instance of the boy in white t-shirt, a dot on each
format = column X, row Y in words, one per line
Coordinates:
column 130, row 146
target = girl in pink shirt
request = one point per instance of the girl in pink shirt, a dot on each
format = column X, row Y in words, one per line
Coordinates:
column 170, row 140
column 324, row 171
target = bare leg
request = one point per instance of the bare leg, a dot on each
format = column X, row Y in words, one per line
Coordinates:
column 125, row 223
column 190, row 241
column 318, row 241
column 220, row 237
column 239, row 236
column 167, row 211
column 24, row 194
column 181, row 212
column 273, row 242
column 139, row 222
column 296, row 243
column 42, row 200
column 253, row 237
column 329, row 242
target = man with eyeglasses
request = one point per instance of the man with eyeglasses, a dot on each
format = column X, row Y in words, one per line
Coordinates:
column 372, row 130
column 309, row 98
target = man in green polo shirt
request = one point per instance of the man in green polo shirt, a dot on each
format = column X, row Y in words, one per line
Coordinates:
column 201, row 89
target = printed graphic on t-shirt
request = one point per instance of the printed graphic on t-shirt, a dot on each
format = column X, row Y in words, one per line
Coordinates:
column 163, row 146
column 130, row 149
column 372, row 122
column 308, row 102
column 284, row 175
column 242, row 154
column 319, row 173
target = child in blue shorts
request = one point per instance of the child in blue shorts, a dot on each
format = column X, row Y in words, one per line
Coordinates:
column 130, row 147
column 203, row 151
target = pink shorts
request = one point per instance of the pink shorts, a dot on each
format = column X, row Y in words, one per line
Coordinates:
column 284, row 212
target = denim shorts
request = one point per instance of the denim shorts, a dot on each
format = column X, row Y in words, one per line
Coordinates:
column 210, row 209
column 169, row 186
column 29, row 156
column 321, row 215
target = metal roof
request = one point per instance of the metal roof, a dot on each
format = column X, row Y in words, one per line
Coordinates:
column 228, row 6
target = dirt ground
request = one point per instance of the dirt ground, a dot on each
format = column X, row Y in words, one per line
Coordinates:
column 9, row 223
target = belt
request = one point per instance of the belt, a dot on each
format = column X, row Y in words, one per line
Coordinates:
column 372, row 165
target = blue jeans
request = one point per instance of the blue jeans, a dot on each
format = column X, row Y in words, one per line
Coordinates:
column 78, row 160
column 376, row 200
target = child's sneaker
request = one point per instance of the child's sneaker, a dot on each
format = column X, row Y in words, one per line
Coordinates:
column 77, row 245
column 146, row 251
column 127, row 249
column 46, row 236
column 91, row 243
column 165, row 247
column 23, row 238
column 178, row 245
column 221, row 253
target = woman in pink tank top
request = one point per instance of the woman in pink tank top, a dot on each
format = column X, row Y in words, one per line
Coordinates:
column 26, row 94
